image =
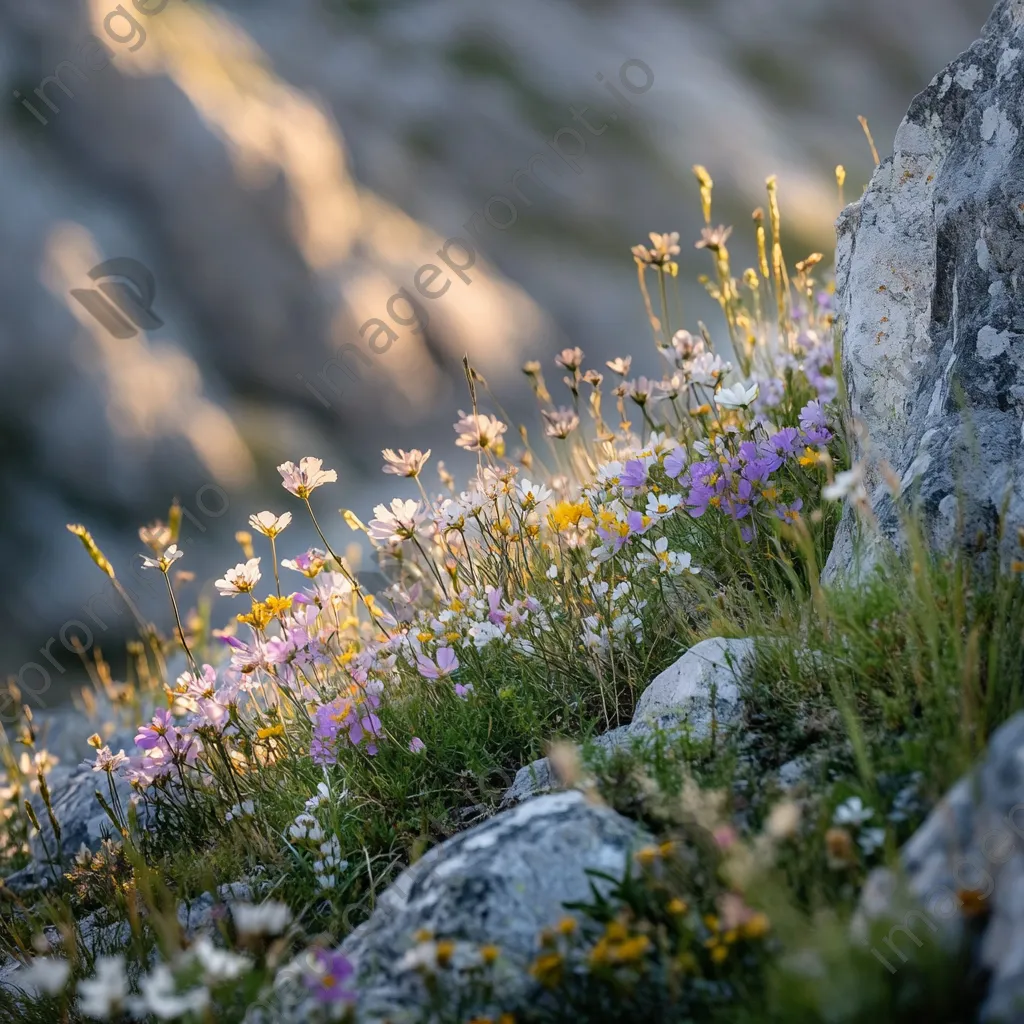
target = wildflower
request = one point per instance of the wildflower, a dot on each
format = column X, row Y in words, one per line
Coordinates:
column 547, row 969
column 268, row 524
column 531, row 495
column 326, row 974
column 847, row 484
column 157, row 536
column 109, row 762
column 309, row 563
column 165, row 561
column 447, row 663
column 570, row 358
column 677, row 907
column 105, row 994
column 46, row 975
column 404, row 463
column 480, row 433
column 404, row 520
column 713, row 238
column 269, row 918
column 559, row 422
column 463, row 692
column 686, row 345
column 240, row 580
column 639, row 390
column 416, row 745
column 305, row 478
column 736, row 397
column 660, row 253
column 160, row 997
column 620, row 366
column 245, row 809
column 489, row 953
column 218, row 965
column 852, row 812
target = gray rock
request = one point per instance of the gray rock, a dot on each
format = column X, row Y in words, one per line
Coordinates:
column 502, row 883
column 680, row 697
column 929, row 303
column 972, row 841
column 703, row 685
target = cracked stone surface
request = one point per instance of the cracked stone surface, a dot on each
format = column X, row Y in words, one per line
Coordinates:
column 930, row 302
column 501, row 882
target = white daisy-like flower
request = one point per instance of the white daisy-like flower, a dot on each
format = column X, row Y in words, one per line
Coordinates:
column 105, row 993
column 268, row 524
column 620, row 366
column 218, row 964
column 479, row 432
column 305, row 478
column 165, row 561
column 559, row 422
column 402, row 521
column 852, row 812
column 269, row 918
column 738, row 396
column 240, row 580
column 531, row 495
column 847, row 484
column 44, row 975
column 404, row 463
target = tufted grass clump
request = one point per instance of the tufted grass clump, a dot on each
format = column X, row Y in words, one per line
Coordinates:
column 318, row 741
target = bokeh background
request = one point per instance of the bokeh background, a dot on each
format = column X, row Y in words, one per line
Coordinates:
column 282, row 167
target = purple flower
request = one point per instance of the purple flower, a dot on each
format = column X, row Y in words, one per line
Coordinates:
column 675, row 462
column 463, row 691
column 416, row 745
column 155, row 732
column 326, row 977
column 634, row 474
column 447, row 662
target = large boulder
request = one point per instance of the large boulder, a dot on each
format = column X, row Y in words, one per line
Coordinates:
column 501, row 882
column 698, row 693
column 930, row 303
column 962, row 872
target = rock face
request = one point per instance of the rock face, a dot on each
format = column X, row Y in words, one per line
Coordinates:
column 930, row 300
column 971, row 842
column 501, row 883
column 698, row 692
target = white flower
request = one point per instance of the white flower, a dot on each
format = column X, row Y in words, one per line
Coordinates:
column 268, row 524
column 243, row 810
column 165, row 561
column 46, row 975
column 161, row 998
column 531, row 495
column 305, row 478
column 552, row 572
column 620, row 366
column 402, row 521
column 737, row 397
column 478, row 432
column 559, row 422
column 240, row 580
column 848, row 484
column 404, row 463
column 871, row 839
column 107, row 761
column 852, row 812
column 322, row 794
column 659, row 505
column 105, row 994
column 217, row 964
column 270, row 918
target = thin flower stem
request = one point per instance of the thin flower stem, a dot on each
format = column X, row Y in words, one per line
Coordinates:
column 177, row 622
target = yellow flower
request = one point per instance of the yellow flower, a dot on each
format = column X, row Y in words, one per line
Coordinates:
column 444, row 952
column 277, row 605
column 424, row 636
column 489, row 953
column 647, row 856
column 678, row 906
column 719, row 953
column 810, row 457
column 567, row 925
column 423, row 935
column 547, row 969
column 616, row 931
column 632, row 949
column 756, row 926
column 667, row 849
column 270, row 730
column 712, row 922
column 567, row 514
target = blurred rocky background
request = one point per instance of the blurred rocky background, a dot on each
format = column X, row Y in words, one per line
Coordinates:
column 282, row 169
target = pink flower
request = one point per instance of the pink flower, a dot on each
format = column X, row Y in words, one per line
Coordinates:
column 463, row 691
column 445, row 665
column 305, row 478
column 151, row 734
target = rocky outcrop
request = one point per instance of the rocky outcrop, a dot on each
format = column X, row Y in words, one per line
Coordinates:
column 699, row 693
column 962, row 875
column 930, row 303
column 500, row 883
